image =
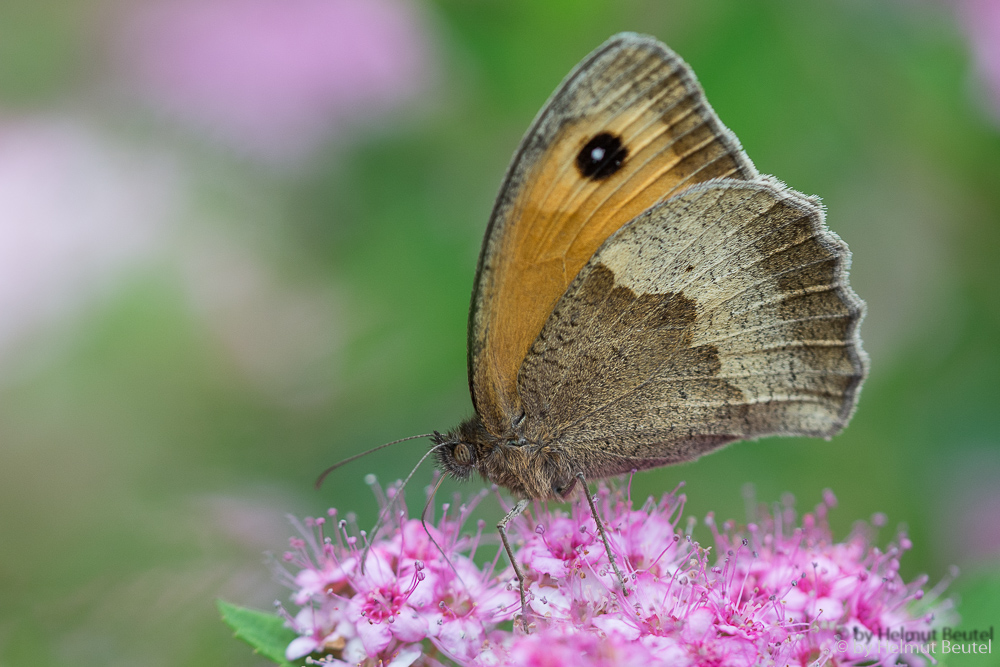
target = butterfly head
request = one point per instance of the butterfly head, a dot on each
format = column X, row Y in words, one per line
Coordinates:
column 456, row 452
column 528, row 469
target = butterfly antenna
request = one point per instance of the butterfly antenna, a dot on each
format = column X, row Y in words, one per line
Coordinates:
column 319, row 480
column 384, row 514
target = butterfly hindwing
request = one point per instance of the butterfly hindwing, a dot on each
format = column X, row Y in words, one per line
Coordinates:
column 721, row 314
column 628, row 128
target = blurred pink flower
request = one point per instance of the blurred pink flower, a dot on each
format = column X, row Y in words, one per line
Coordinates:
column 779, row 591
column 273, row 77
column 968, row 515
column 77, row 212
column 981, row 20
column 554, row 648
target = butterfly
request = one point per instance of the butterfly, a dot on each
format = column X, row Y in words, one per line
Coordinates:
column 644, row 296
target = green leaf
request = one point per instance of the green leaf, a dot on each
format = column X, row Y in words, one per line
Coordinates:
column 266, row 633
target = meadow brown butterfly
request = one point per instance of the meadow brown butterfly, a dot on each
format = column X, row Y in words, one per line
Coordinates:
column 643, row 295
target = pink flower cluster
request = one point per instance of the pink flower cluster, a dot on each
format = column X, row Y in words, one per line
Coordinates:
column 981, row 21
column 274, row 77
column 776, row 591
column 407, row 592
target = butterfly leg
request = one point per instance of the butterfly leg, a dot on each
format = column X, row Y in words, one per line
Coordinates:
column 600, row 529
column 502, row 527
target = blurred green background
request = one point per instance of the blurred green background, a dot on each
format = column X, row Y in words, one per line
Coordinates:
column 237, row 241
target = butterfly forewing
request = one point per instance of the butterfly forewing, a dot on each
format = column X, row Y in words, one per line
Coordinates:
column 628, row 128
column 721, row 314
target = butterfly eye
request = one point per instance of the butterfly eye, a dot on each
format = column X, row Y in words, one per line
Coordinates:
column 461, row 454
column 601, row 157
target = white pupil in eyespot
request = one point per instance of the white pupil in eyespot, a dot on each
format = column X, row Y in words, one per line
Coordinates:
column 597, row 154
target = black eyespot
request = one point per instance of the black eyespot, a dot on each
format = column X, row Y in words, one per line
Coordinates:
column 601, row 157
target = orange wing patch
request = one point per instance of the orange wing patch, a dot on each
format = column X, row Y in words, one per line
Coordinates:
column 628, row 128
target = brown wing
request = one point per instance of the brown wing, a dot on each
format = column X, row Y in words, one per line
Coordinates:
column 722, row 314
column 627, row 128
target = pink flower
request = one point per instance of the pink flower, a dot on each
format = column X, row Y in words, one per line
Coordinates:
column 777, row 591
column 553, row 648
column 981, row 20
column 78, row 215
column 408, row 595
column 273, row 77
